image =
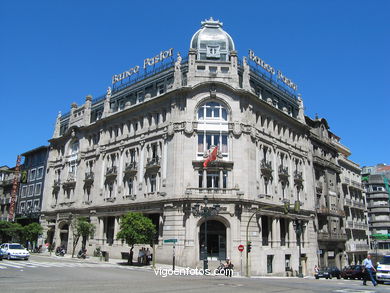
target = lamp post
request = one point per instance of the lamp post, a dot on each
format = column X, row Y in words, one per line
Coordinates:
column 375, row 246
column 298, row 227
column 205, row 212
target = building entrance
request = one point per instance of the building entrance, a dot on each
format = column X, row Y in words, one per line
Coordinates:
column 216, row 241
column 64, row 235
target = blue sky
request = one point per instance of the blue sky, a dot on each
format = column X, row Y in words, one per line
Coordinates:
column 54, row 53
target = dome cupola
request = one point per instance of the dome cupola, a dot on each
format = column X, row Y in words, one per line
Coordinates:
column 212, row 42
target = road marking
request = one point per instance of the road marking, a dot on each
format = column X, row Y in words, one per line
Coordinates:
column 353, row 291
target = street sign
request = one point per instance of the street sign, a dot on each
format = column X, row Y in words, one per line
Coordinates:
column 241, row 248
column 170, row 240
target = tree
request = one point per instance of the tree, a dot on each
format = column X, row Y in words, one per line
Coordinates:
column 10, row 232
column 31, row 232
column 81, row 227
column 136, row 229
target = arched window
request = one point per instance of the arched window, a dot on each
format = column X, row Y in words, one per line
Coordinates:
column 74, row 148
column 212, row 128
column 212, row 111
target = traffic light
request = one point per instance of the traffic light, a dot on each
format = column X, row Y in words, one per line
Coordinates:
column 249, row 246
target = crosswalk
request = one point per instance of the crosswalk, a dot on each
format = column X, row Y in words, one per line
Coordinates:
column 6, row 264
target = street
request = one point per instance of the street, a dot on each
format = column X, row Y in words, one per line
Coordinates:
column 54, row 274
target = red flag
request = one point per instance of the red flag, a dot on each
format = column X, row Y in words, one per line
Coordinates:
column 212, row 157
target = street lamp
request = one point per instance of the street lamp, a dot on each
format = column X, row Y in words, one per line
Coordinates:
column 375, row 246
column 205, row 212
column 298, row 227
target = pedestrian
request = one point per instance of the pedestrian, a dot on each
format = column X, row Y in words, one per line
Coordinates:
column 316, row 269
column 368, row 269
column 140, row 256
column 228, row 267
column 148, row 256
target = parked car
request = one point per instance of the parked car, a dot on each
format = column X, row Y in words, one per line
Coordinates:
column 14, row 251
column 353, row 272
column 383, row 270
column 328, row 273
column 1, row 255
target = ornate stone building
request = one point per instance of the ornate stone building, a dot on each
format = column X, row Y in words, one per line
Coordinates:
column 141, row 147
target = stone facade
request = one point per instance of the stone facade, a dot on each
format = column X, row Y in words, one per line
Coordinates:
column 6, row 183
column 376, row 184
column 355, row 206
column 141, row 147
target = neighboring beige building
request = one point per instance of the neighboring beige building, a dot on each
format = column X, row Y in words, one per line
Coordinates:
column 6, row 183
column 141, row 147
column 355, row 206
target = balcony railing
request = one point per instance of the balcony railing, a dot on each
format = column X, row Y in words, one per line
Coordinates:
column 327, row 211
column 298, row 177
column 192, row 192
column 56, row 184
column 111, row 172
column 89, row 178
column 319, row 187
column 131, row 168
column 348, row 202
column 153, row 162
column 283, row 173
column 332, row 236
column 266, row 168
column 265, row 241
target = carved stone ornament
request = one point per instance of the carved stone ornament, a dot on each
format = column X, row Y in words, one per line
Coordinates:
column 188, row 127
column 170, row 129
column 253, row 132
column 237, row 128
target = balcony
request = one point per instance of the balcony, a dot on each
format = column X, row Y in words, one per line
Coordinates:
column 266, row 168
column 357, row 247
column 70, row 182
column 327, row 211
column 332, row 236
column 319, row 187
column 131, row 169
column 111, row 173
column 283, row 173
column 298, row 178
column 347, row 202
column 213, row 192
column 153, row 164
column 358, row 204
column 89, row 178
column 56, row 185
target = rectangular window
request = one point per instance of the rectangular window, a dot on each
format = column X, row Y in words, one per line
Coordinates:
column 38, row 188
column 212, row 180
column 153, row 183
column 31, row 190
column 160, row 88
column 22, row 206
column 29, row 205
column 24, row 191
column 130, row 184
column 32, row 174
column 200, row 143
column 200, row 176
column 39, row 173
column 270, row 259
column 36, row 205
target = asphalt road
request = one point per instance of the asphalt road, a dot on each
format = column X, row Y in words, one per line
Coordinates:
column 45, row 274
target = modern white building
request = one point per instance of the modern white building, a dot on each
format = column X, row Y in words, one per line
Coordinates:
column 141, row 147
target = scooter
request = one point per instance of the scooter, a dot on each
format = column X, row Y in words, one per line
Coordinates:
column 82, row 253
column 60, row 251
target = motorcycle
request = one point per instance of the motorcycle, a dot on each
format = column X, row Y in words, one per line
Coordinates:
column 60, row 251
column 82, row 253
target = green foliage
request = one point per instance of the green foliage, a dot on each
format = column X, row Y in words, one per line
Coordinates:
column 136, row 229
column 81, row 228
column 10, row 232
column 31, row 232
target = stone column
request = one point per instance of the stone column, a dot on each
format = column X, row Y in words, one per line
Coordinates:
column 274, row 232
column 204, row 181
column 100, row 239
column 220, row 179
column 116, row 228
column 291, row 233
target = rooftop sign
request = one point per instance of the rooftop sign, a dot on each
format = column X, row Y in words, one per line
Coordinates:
column 147, row 62
column 272, row 71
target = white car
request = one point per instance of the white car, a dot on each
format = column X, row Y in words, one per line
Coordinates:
column 383, row 270
column 14, row 251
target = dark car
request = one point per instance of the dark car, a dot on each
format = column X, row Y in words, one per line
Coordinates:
column 328, row 273
column 353, row 272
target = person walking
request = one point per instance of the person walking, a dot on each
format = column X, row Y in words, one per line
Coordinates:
column 368, row 269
